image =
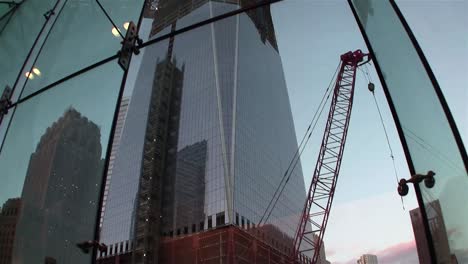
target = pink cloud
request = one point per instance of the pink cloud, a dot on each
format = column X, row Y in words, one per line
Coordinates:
column 353, row 261
column 330, row 252
column 401, row 253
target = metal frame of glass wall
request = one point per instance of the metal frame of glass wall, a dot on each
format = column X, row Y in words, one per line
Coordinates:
column 38, row 49
column 388, row 15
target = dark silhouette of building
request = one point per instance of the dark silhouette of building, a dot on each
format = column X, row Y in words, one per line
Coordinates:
column 158, row 153
column 438, row 232
column 9, row 214
column 60, row 193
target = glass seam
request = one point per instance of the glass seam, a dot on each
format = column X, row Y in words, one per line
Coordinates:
column 66, row 78
column 107, row 161
column 110, row 143
column 39, row 52
column 48, row 87
column 28, row 56
column 109, row 18
column 8, row 12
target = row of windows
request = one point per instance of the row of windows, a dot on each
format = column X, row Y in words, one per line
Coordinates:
column 9, row 212
column 118, row 248
column 219, row 220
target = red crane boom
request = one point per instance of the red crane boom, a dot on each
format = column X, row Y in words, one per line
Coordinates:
column 311, row 229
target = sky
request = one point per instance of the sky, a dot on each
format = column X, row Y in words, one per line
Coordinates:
column 367, row 214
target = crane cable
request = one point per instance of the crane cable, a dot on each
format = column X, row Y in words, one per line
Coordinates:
column 300, row 153
column 366, row 72
column 307, row 135
column 297, row 155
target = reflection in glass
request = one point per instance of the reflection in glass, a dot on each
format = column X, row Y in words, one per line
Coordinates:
column 122, row 200
column 74, row 43
column 59, row 193
column 18, row 31
column 114, row 149
column 123, row 11
column 438, row 230
column 52, row 164
column 186, row 175
column 9, row 214
column 425, row 127
column 6, row 8
column 199, row 141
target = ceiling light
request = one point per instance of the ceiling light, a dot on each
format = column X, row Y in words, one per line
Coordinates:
column 115, row 32
column 29, row 75
column 36, row 71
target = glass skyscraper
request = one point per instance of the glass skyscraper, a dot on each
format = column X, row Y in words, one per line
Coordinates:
column 184, row 170
column 115, row 147
column 209, row 133
column 57, row 203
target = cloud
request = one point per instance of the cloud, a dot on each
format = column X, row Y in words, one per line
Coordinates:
column 401, row 253
column 352, row 261
column 367, row 225
column 330, row 252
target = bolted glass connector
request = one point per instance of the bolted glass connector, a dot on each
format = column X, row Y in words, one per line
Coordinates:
column 371, row 87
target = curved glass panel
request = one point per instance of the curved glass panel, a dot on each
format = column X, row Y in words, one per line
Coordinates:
column 207, row 127
column 123, row 11
column 137, row 148
column 73, row 43
column 17, row 34
column 449, row 37
column 426, row 129
column 5, row 8
column 211, row 123
column 52, row 164
column 184, row 13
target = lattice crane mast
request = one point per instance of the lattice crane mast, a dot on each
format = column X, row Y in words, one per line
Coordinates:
column 314, row 217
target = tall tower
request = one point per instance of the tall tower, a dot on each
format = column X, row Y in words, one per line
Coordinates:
column 438, row 232
column 58, row 201
column 115, row 147
column 208, row 137
column 9, row 214
column 160, row 141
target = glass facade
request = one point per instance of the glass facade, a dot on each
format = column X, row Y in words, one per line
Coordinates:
column 195, row 135
column 20, row 26
column 198, row 142
column 427, row 128
column 52, row 162
column 55, row 141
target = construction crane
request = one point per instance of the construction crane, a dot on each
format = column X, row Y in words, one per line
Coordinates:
column 314, row 217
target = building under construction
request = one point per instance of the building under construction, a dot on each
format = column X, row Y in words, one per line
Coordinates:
column 227, row 244
column 210, row 159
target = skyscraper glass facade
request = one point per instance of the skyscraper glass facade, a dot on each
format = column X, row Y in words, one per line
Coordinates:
column 199, row 130
column 194, row 136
